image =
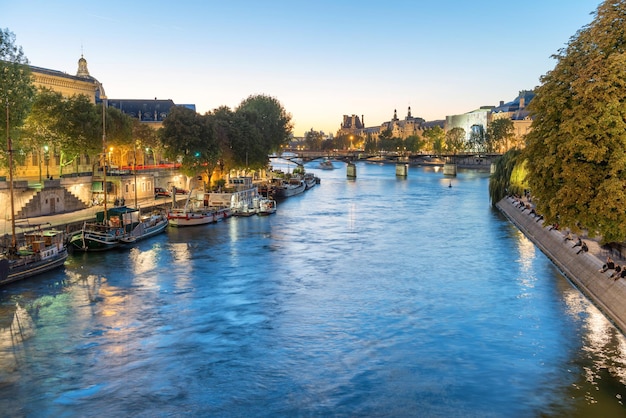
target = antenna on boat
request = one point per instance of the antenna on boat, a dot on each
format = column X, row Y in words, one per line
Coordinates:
column 103, row 98
column 10, row 152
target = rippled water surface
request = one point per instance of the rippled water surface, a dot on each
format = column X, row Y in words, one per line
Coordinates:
column 380, row 296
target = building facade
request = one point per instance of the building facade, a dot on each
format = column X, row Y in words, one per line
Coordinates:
column 400, row 128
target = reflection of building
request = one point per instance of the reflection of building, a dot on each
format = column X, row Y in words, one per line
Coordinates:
column 400, row 128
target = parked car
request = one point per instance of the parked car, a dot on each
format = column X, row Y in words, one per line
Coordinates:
column 161, row 192
column 181, row 191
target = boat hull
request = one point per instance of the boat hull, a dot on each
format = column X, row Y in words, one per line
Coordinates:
column 191, row 219
column 9, row 274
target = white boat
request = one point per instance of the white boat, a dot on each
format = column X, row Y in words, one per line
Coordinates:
column 266, row 207
column 186, row 217
column 149, row 225
column 192, row 214
column 238, row 198
column 310, row 180
column 288, row 188
column 326, row 164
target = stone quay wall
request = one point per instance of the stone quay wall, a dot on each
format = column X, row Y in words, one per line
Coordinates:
column 581, row 269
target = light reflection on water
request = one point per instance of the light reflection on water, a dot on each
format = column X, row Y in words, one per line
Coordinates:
column 375, row 296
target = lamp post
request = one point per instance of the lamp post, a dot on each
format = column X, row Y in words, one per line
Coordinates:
column 46, row 157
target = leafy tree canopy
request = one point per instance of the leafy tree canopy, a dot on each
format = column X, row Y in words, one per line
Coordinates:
column 576, row 151
column 16, row 88
column 455, row 140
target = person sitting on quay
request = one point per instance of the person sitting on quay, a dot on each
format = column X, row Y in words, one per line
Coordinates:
column 554, row 226
column 578, row 243
column 583, row 248
column 568, row 237
column 539, row 218
column 616, row 273
column 610, row 265
column 622, row 274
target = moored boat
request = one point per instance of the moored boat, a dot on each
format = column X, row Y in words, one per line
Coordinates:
column 192, row 214
column 236, row 200
column 288, row 188
column 310, row 180
column 122, row 225
column 44, row 250
column 266, row 207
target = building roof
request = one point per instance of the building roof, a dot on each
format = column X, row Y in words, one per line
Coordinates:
column 146, row 110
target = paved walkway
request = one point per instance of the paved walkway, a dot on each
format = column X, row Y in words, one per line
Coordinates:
column 63, row 219
column 582, row 269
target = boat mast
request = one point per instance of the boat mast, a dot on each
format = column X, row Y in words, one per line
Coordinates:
column 135, row 167
column 10, row 152
column 103, row 99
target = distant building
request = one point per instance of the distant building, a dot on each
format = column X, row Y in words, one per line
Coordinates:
column 479, row 119
column 68, row 85
column 400, row 128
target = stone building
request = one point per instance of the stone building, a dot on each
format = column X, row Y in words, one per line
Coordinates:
column 479, row 119
column 82, row 181
column 400, row 128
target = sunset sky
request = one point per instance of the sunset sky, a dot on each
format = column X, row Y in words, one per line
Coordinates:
column 321, row 59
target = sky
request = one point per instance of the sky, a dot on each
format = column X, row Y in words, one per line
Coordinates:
column 321, row 59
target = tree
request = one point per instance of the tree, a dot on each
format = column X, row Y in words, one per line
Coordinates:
column 455, row 140
column 272, row 128
column 186, row 137
column 41, row 127
column 313, row 140
column 506, row 179
column 576, row 150
column 477, row 139
column 500, row 134
column 414, row 143
column 16, row 88
column 79, row 128
column 435, row 139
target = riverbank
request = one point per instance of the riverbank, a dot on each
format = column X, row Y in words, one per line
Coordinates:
column 581, row 269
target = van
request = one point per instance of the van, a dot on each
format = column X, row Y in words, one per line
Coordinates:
column 161, row 192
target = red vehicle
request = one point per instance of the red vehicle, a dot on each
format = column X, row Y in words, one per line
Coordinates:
column 180, row 191
column 161, row 192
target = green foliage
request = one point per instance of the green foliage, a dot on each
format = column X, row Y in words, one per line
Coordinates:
column 576, row 151
column 188, row 137
column 313, row 140
column 269, row 127
column 508, row 176
column 16, row 88
column 500, row 134
column 435, row 138
column 455, row 140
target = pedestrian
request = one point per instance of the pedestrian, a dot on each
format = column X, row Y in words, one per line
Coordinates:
column 578, row 243
column 583, row 248
column 616, row 273
column 610, row 265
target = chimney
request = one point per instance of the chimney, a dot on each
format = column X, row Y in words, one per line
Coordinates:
column 363, row 120
column 522, row 103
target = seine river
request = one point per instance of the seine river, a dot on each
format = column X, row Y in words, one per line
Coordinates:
column 380, row 296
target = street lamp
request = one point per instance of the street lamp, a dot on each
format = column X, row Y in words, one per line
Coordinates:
column 47, row 159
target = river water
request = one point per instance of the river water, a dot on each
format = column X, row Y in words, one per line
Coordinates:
column 380, row 296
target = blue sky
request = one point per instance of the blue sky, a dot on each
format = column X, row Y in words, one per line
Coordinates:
column 320, row 59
